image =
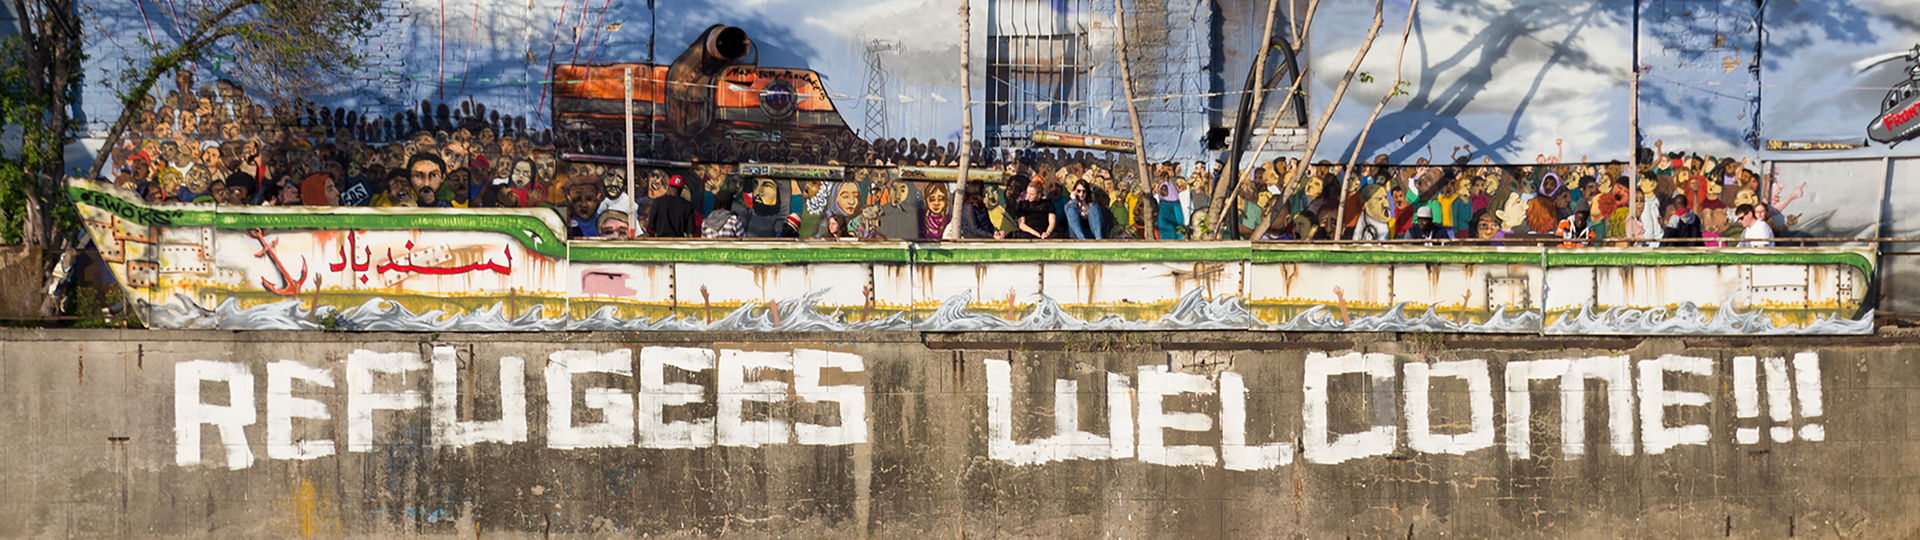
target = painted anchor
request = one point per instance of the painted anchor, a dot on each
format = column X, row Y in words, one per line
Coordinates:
column 266, row 248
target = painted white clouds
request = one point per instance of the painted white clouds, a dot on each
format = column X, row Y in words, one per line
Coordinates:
column 1515, row 76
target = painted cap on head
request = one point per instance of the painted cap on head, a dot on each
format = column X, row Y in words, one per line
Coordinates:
column 584, row 180
column 611, row 215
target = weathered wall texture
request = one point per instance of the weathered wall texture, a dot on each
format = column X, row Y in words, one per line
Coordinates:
column 888, row 435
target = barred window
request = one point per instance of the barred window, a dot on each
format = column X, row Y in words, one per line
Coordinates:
column 1037, row 71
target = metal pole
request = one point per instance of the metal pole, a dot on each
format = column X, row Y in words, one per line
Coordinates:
column 653, row 31
column 631, row 198
column 966, row 111
column 1133, row 120
column 1633, row 126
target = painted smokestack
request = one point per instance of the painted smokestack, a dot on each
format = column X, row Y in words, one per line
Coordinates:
column 692, row 77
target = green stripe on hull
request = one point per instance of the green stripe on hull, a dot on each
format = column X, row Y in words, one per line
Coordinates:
column 988, row 253
column 1409, row 255
column 1707, row 256
column 639, row 252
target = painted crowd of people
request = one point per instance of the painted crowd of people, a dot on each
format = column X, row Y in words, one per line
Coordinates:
column 213, row 144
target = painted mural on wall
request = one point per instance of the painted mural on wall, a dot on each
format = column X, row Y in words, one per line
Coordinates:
column 213, row 266
column 1853, row 68
column 1507, row 79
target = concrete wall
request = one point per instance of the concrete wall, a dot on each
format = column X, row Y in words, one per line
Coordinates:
column 121, row 434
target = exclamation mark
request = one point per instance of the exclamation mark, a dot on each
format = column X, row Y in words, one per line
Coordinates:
column 1806, row 371
column 1746, row 397
column 1779, row 399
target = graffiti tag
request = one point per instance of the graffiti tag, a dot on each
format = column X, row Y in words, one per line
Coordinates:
column 149, row 216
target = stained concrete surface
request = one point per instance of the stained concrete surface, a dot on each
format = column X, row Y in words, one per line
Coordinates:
column 92, row 449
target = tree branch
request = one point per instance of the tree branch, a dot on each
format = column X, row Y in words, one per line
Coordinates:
column 1340, row 226
column 1313, row 138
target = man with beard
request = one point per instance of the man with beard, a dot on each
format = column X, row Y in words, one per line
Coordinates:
column 427, row 171
column 763, row 217
column 672, row 215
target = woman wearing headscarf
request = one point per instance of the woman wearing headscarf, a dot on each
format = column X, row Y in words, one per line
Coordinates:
column 841, row 208
column 1542, row 213
column 1170, row 217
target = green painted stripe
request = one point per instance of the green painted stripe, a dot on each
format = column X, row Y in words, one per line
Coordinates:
column 591, row 252
column 1334, row 255
column 531, row 231
column 935, row 254
column 1705, row 256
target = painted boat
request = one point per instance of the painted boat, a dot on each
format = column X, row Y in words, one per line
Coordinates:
column 410, row 269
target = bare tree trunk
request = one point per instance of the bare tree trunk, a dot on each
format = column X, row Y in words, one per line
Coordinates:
column 1133, row 120
column 966, row 115
column 1313, row 138
column 1340, row 227
column 50, row 39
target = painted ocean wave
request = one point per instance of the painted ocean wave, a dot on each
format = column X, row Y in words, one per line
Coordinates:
column 1396, row 319
column 1689, row 319
column 1194, row 311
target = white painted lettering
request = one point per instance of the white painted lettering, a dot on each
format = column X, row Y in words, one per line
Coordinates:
column 362, row 401
column 852, row 399
column 189, row 413
column 1234, row 450
column 616, row 407
column 1420, row 435
column 736, row 369
column 1156, row 384
column 1806, row 373
column 1322, row 446
column 1746, row 397
column 1618, row 374
column 1520, row 401
column 1068, row 440
column 449, row 430
column 656, row 394
column 1655, row 398
column 282, row 408
column 1779, row 399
